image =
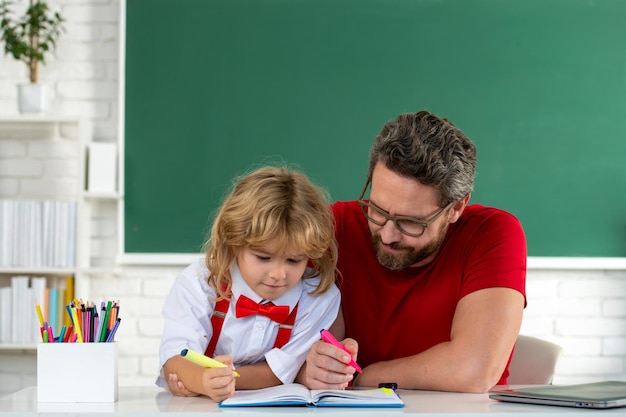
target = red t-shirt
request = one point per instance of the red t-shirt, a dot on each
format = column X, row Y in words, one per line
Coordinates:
column 394, row 314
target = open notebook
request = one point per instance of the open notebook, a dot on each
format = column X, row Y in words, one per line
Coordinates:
column 605, row 394
column 296, row 394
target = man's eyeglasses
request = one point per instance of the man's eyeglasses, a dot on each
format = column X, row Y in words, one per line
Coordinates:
column 410, row 226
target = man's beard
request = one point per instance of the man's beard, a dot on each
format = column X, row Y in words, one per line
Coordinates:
column 411, row 256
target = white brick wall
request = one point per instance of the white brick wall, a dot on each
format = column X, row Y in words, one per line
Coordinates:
column 584, row 311
column 39, row 161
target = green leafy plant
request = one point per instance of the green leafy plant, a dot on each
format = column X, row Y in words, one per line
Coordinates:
column 32, row 36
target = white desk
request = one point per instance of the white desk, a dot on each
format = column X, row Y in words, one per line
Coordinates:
column 153, row 401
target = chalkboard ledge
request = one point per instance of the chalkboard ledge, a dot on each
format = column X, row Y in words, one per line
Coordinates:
column 534, row 262
column 575, row 263
column 157, row 259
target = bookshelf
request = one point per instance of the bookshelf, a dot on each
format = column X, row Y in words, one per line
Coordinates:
column 49, row 154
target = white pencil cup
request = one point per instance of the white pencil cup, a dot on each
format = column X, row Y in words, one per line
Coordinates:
column 77, row 372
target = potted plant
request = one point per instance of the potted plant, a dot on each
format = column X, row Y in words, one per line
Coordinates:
column 30, row 38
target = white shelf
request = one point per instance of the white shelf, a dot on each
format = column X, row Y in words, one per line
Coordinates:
column 36, row 118
column 39, row 127
column 101, row 196
column 14, row 270
column 18, row 347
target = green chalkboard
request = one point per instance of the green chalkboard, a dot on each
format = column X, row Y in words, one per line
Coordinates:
column 216, row 87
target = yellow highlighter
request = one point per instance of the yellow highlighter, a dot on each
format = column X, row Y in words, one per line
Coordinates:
column 203, row 360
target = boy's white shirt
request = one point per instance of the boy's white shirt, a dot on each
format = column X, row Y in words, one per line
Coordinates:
column 187, row 322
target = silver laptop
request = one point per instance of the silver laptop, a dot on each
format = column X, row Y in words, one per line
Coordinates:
column 605, row 394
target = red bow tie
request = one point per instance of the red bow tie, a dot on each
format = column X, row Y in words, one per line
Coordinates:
column 247, row 307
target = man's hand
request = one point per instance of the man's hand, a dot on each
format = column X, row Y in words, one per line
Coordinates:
column 327, row 367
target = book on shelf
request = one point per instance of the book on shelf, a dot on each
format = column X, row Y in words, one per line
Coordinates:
column 6, row 232
column 20, row 317
column 36, row 234
column 6, row 305
column 101, row 167
column 19, row 322
column 71, row 235
column 299, row 395
column 69, row 296
column 53, row 303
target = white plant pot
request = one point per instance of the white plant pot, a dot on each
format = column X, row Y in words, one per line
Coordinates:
column 32, row 98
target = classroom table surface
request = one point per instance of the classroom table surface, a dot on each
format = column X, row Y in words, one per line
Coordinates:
column 153, row 401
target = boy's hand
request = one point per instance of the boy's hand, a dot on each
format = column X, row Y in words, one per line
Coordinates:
column 177, row 387
column 226, row 360
column 219, row 383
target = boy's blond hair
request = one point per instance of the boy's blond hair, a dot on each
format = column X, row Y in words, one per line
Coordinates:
column 277, row 207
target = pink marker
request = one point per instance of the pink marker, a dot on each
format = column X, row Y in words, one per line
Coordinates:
column 329, row 338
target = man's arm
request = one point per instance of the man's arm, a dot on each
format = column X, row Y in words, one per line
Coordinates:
column 484, row 329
